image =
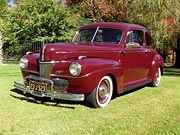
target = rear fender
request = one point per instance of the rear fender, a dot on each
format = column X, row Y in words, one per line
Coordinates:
column 157, row 63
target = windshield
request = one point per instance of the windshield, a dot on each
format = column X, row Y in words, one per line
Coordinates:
column 105, row 35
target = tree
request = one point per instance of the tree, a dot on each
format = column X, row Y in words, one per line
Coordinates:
column 71, row 3
column 3, row 4
column 177, row 64
column 3, row 10
column 161, row 18
column 102, row 10
column 150, row 13
column 49, row 20
column 39, row 20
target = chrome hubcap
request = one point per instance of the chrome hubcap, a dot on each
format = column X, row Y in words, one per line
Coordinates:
column 103, row 91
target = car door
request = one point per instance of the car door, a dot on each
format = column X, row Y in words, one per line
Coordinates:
column 149, row 52
column 134, row 68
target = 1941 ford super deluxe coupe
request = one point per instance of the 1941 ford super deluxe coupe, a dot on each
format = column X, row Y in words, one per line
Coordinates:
column 102, row 59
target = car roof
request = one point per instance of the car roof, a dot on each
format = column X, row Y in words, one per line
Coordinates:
column 117, row 25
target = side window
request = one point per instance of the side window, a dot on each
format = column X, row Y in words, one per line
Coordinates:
column 149, row 40
column 134, row 38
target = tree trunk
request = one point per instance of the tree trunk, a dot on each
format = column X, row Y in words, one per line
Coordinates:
column 1, row 55
column 177, row 64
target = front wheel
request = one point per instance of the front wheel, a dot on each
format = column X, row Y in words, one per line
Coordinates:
column 102, row 94
column 157, row 79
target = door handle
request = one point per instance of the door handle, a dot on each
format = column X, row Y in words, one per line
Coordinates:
column 122, row 52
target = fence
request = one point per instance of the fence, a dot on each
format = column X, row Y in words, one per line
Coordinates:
column 14, row 51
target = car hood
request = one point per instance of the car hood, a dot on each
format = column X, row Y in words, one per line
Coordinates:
column 63, row 51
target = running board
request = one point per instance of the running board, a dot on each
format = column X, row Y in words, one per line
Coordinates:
column 137, row 86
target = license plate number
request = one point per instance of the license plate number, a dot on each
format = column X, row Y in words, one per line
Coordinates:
column 37, row 86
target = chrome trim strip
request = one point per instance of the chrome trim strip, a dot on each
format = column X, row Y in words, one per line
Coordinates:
column 42, row 55
column 49, row 62
column 31, row 77
column 66, row 76
column 95, row 34
column 30, row 71
column 86, row 52
column 75, row 35
column 51, row 94
column 19, row 86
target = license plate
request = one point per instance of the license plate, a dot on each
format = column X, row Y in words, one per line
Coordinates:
column 37, row 86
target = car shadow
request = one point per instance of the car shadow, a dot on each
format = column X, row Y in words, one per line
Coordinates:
column 63, row 103
column 44, row 101
column 129, row 91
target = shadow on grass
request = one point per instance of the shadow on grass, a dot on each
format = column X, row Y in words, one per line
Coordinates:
column 172, row 71
column 44, row 101
column 115, row 95
column 61, row 103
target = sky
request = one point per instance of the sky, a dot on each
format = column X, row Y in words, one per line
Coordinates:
column 11, row 3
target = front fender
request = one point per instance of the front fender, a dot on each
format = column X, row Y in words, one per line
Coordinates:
column 94, row 65
column 93, row 69
column 33, row 64
column 96, row 68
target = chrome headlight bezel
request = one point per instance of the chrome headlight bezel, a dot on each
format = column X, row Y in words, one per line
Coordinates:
column 75, row 69
column 23, row 63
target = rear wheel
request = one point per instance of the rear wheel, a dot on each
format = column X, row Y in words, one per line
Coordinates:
column 102, row 94
column 157, row 79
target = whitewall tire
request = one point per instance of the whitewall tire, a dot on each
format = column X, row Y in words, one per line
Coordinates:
column 102, row 94
column 157, row 80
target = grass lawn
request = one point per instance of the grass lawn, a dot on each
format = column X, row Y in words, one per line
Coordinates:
column 147, row 111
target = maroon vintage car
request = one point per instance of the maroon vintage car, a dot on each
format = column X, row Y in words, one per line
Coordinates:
column 102, row 59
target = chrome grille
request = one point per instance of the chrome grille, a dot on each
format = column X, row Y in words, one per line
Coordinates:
column 45, row 69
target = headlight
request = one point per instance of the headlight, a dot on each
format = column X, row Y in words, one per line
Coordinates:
column 23, row 63
column 75, row 69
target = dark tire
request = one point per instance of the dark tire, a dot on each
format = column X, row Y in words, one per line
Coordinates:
column 102, row 94
column 157, row 80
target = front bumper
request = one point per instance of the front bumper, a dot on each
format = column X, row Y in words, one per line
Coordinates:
column 51, row 94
